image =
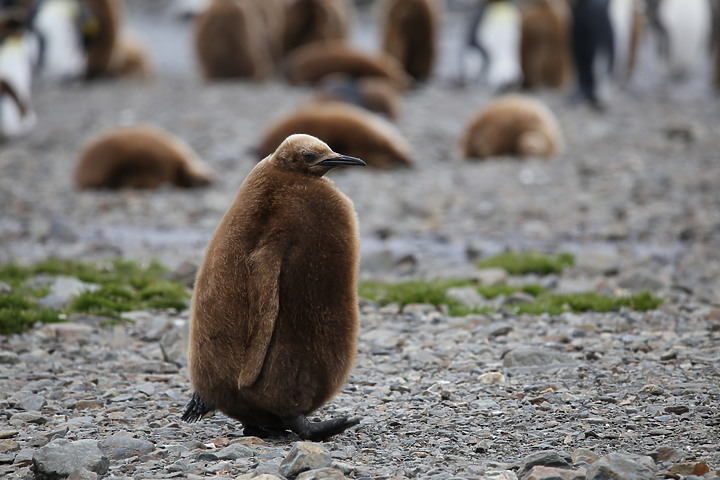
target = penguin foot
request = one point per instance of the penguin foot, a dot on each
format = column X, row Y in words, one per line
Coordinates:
column 250, row 430
column 196, row 409
column 316, row 431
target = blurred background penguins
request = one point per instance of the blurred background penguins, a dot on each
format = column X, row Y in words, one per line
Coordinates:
column 491, row 52
column 140, row 156
column 312, row 63
column 410, row 33
column 683, row 30
column 231, row 41
column 512, row 125
column 544, row 46
column 593, row 50
column 84, row 39
column 309, row 21
column 345, row 128
column 16, row 59
column 628, row 25
column 374, row 94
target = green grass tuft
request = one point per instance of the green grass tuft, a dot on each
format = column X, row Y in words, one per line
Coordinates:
column 522, row 263
column 124, row 286
column 435, row 293
column 555, row 304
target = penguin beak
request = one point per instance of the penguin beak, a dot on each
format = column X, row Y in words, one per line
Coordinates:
column 340, row 161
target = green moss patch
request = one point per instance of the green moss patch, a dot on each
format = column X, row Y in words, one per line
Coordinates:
column 124, row 286
column 522, row 263
column 435, row 293
column 555, row 304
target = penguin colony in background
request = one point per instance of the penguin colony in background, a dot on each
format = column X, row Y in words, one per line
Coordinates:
column 275, row 312
column 273, row 335
column 140, row 156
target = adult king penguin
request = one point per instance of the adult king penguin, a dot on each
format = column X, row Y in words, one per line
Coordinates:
column 273, row 334
column 593, row 49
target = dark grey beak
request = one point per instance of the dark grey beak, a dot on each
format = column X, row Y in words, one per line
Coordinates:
column 340, row 161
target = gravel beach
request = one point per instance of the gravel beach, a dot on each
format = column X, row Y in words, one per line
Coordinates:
column 634, row 196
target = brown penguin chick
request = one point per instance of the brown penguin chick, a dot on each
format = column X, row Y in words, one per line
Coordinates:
column 273, row 334
column 312, row 63
column 231, row 41
column 410, row 34
column 346, row 128
column 514, row 125
column 310, row 21
column 108, row 51
column 129, row 59
column 140, row 156
column 274, row 15
column 544, row 44
column 100, row 28
column 374, row 94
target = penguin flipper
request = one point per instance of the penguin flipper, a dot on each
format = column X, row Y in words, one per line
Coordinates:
column 263, row 298
column 196, row 409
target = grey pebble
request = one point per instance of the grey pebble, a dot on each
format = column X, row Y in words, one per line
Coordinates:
column 622, row 467
column 535, row 357
column 304, row 456
column 119, row 446
column 60, row 458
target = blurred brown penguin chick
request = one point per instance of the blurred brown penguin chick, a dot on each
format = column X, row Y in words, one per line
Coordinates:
column 544, row 44
column 346, row 128
column 108, row 51
column 310, row 21
column 129, row 59
column 371, row 93
column 410, row 34
column 140, row 156
column 513, row 125
column 311, row 63
column 274, row 16
column 274, row 319
column 231, row 41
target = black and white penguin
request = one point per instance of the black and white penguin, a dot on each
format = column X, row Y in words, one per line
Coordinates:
column 683, row 31
column 491, row 51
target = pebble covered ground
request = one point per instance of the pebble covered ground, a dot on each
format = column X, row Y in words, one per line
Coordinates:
column 634, row 196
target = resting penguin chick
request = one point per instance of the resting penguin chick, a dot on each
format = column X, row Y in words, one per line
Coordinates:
column 312, row 63
column 515, row 125
column 273, row 334
column 345, row 128
column 140, row 156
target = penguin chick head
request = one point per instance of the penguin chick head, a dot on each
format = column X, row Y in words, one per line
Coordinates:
column 309, row 155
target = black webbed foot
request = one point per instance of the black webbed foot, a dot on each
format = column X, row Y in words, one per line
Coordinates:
column 196, row 409
column 317, row 431
column 250, row 430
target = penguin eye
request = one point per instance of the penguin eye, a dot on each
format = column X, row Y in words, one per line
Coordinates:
column 309, row 157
